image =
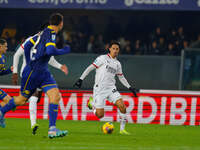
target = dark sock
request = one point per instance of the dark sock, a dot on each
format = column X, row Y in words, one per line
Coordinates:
column 53, row 113
column 10, row 105
column 2, row 94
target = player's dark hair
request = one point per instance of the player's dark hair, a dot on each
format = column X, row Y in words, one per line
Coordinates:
column 114, row 43
column 2, row 41
column 55, row 19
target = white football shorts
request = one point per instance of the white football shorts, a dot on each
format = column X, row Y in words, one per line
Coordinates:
column 101, row 94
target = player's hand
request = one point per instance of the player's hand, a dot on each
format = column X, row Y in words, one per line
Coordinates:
column 14, row 78
column 11, row 68
column 64, row 69
column 134, row 91
column 78, row 83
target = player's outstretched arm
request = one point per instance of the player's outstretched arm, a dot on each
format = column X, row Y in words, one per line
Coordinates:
column 78, row 83
column 51, row 50
column 54, row 63
column 123, row 80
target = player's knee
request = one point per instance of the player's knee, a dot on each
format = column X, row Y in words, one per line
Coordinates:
column 20, row 102
column 54, row 95
column 122, row 108
column 100, row 115
column 57, row 97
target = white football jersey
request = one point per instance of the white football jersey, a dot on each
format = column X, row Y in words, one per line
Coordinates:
column 107, row 68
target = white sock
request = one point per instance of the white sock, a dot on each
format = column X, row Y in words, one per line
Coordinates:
column 93, row 107
column 33, row 109
column 122, row 121
column 94, row 111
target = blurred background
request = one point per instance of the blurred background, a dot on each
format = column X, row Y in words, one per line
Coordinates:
column 160, row 39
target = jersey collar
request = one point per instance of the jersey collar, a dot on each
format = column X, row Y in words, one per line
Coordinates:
column 49, row 27
column 110, row 56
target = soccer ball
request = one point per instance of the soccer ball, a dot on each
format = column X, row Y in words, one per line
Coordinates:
column 108, row 128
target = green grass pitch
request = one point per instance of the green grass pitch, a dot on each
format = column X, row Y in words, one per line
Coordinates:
column 87, row 135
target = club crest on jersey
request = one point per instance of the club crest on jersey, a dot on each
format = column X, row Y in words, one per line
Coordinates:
column 53, row 37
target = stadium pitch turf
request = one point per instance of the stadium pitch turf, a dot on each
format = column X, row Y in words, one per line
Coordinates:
column 87, row 135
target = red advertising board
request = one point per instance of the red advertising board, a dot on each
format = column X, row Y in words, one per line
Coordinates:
column 151, row 107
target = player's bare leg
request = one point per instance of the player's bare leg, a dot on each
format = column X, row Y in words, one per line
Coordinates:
column 120, row 104
column 54, row 98
column 99, row 112
column 33, row 100
column 20, row 100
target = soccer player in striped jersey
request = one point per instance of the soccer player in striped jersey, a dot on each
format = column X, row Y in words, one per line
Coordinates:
column 35, row 98
column 36, row 73
column 107, row 67
column 3, row 71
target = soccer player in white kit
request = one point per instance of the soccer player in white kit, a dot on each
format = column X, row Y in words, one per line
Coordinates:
column 107, row 67
column 33, row 100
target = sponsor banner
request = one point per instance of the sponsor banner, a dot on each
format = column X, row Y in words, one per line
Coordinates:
column 104, row 4
column 151, row 107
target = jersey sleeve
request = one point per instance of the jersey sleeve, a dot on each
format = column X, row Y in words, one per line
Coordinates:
column 54, row 63
column 87, row 71
column 51, row 46
column 29, row 43
column 119, row 70
column 17, row 55
column 98, row 62
column 51, row 40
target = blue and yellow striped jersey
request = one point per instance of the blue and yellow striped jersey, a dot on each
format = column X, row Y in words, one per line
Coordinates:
column 35, row 49
column 3, row 70
column 41, row 47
